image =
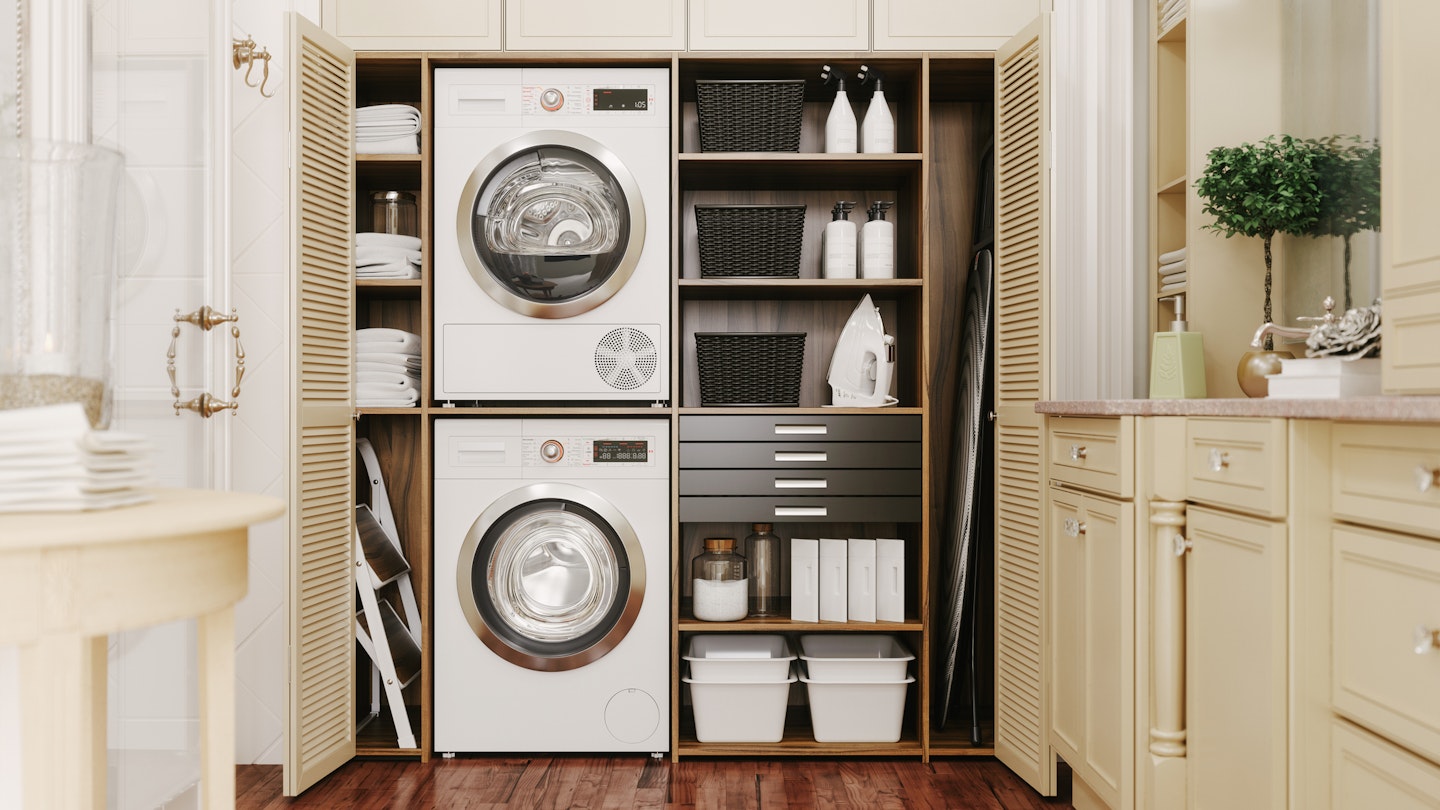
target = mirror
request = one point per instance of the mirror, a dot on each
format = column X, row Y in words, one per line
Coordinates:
column 1331, row 86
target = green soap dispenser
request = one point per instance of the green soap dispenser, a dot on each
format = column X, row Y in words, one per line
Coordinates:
column 1177, row 360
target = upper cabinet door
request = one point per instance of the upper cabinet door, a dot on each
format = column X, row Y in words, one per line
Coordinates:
column 950, row 25
column 795, row 25
column 584, row 25
column 384, row 25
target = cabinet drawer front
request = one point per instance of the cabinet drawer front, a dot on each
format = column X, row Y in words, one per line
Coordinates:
column 861, row 483
column 800, row 428
column 1237, row 464
column 811, row 510
column 1386, row 589
column 1386, row 475
column 1095, row 454
column 1368, row 772
column 796, row 455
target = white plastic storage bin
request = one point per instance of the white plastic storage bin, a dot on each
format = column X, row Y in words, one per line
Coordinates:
column 859, row 658
column 739, row 712
column 867, row 711
column 739, row 658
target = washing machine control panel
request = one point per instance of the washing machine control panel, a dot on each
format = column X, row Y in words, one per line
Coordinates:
column 576, row 451
column 582, row 99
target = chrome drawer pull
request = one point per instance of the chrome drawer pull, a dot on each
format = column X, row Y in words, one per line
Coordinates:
column 800, row 430
column 1077, row 452
column 1181, row 545
column 1425, row 478
column 801, row 483
column 1073, row 527
column 1426, row 639
column 1219, row 460
column 799, row 455
column 801, row 511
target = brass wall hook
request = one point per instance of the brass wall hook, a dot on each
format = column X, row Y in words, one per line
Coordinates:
column 246, row 52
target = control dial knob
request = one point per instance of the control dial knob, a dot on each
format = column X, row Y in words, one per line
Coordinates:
column 551, row 99
column 552, row 451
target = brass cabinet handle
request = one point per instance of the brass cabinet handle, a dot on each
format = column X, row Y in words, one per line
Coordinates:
column 206, row 404
column 1425, row 478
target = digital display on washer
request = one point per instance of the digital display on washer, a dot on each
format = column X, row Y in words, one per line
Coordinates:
column 622, row 98
column 612, row 450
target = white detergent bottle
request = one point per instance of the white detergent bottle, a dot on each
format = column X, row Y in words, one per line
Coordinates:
column 840, row 125
column 877, row 131
column 877, row 244
column 837, row 244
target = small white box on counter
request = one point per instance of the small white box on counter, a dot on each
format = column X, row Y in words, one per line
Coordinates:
column 804, row 580
column 834, row 554
column 862, row 579
column 889, row 579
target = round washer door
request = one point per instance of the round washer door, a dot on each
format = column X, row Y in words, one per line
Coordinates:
column 551, row 224
column 551, row 577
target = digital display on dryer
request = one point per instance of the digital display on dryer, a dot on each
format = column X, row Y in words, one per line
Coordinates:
column 619, row 450
column 621, row 98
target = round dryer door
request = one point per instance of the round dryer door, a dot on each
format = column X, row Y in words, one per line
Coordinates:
column 551, row 224
column 551, row 577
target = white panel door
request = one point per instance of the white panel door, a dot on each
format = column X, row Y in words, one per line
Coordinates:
column 434, row 25
column 584, row 25
column 950, row 25
column 795, row 25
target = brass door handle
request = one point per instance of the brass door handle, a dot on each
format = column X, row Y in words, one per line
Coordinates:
column 206, row 404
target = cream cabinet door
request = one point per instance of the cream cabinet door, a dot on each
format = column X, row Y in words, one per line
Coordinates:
column 584, row 25
column 764, row 25
column 1236, row 672
column 435, row 25
column 949, row 25
column 1092, row 566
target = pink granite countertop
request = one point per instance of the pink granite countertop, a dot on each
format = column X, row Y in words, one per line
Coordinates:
column 1353, row 409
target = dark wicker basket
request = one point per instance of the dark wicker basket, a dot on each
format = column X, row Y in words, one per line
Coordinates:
column 750, row 368
column 750, row 240
column 748, row 115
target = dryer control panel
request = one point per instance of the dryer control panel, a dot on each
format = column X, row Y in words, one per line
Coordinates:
column 577, row 451
column 571, row 99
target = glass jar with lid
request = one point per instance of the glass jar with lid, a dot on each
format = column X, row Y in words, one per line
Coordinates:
column 719, row 581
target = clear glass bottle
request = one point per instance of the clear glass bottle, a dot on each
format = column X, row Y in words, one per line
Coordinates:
column 719, row 581
column 766, row 559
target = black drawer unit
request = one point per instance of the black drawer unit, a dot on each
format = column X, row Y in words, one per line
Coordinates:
column 803, row 467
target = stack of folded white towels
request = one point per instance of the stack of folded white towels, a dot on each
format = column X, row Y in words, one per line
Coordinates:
column 387, row 255
column 1173, row 275
column 387, row 368
column 52, row 461
column 1170, row 12
column 387, row 129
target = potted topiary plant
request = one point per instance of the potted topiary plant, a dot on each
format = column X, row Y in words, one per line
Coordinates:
column 1261, row 189
column 1348, row 173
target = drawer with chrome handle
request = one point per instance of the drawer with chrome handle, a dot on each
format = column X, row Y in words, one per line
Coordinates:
column 800, row 428
column 1387, row 475
column 1385, row 615
column 1095, row 453
column 770, row 508
column 1237, row 464
column 798, row 455
column 859, row 483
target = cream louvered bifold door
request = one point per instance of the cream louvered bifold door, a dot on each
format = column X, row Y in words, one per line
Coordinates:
column 1021, row 379
column 320, row 697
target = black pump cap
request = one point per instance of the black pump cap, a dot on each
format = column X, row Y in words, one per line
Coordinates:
column 868, row 74
column 832, row 76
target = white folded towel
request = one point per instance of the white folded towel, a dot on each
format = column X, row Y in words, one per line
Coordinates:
column 393, row 240
column 397, row 379
column 387, row 112
column 388, row 368
column 392, row 270
column 1172, row 286
column 399, row 145
column 384, row 254
column 369, row 394
column 1174, row 278
column 1172, row 268
column 1173, row 256
column 385, row 339
column 399, row 361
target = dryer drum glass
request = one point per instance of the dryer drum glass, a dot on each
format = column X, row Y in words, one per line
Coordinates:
column 553, row 577
column 551, row 223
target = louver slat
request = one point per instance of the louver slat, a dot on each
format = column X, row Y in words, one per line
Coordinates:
column 321, row 699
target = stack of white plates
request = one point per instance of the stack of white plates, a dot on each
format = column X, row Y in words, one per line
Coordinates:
column 740, row 686
column 51, row 461
column 856, row 685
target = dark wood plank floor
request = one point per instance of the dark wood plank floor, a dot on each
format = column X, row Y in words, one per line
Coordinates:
column 472, row 783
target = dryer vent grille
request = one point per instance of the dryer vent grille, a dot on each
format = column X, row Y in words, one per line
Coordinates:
column 626, row 358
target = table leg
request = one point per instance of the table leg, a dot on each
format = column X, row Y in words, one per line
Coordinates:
column 62, row 689
column 216, row 642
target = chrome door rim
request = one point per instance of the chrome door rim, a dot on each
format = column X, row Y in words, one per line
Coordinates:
column 465, row 212
column 631, row 599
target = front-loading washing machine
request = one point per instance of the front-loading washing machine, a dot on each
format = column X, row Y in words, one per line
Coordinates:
column 552, row 234
column 552, row 585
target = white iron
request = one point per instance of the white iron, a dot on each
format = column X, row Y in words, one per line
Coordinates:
column 863, row 366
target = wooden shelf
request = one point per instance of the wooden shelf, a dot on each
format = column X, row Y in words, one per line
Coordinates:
column 784, row 625
column 404, row 288
column 719, row 289
column 1174, row 186
column 363, row 158
column 800, row 411
column 549, row 411
column 1175, row 33
column 748, row 171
